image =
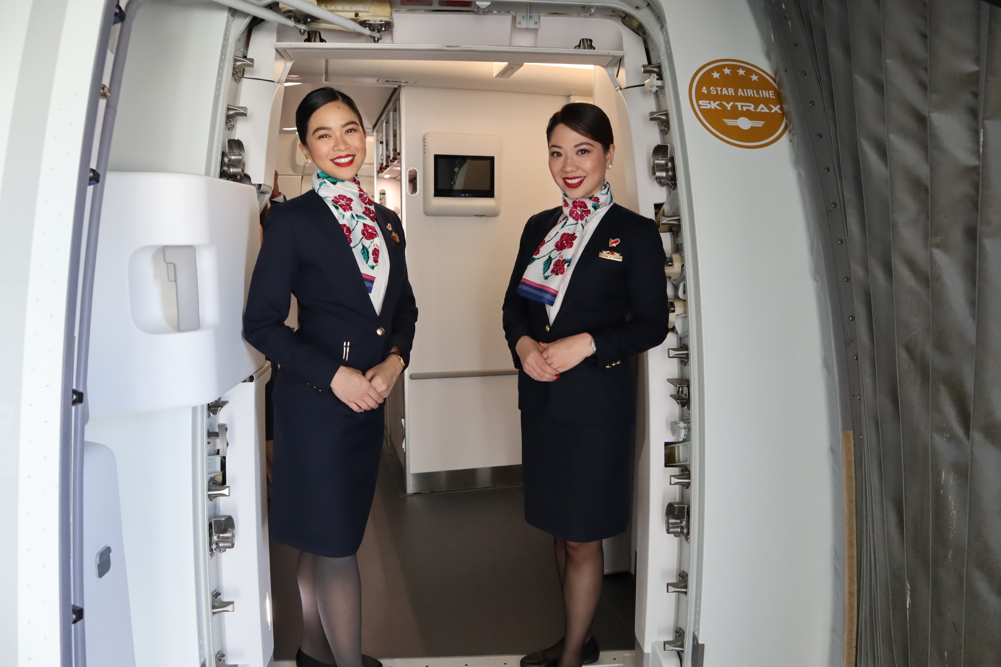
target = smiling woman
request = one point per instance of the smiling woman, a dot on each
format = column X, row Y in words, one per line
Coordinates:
column 587, row 293
column 343, row 257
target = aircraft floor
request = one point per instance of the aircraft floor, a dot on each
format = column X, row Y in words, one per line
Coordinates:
column 455, row 574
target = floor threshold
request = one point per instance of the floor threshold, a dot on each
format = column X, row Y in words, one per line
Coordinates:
column 606, row 659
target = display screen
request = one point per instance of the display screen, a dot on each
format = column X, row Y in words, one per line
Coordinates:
column 464, row 176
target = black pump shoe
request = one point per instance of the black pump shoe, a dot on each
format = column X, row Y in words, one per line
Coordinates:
column 550, row 657
column 303, row 660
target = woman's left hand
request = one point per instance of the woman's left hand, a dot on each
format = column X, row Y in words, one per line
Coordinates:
column 383, row 376
column 566, row 353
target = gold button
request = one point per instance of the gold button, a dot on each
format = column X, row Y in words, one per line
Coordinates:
column 380, row 331
column 547, row 328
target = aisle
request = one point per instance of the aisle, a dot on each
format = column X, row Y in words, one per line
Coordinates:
column 453, row 574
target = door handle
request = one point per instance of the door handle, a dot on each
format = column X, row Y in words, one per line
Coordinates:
column 182, row 270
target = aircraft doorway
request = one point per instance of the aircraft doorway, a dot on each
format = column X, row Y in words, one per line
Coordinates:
column 449, row 566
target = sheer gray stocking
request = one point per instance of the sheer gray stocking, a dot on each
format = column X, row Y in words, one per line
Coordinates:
column 330, row 589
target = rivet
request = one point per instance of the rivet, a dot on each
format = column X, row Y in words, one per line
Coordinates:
column 819, row 135
column 811, row 103
column 841, row 241
column 834, row 204
column 846, row 278
column 856, row 357
column 851, row 318
column 827, row 170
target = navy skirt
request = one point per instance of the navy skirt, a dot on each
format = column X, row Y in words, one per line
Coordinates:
column 324, row 472
column 578, row 477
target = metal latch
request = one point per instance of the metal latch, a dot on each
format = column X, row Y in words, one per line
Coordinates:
column 218, row 491
column 683, row 478
column 679, row 353
column 216, row 406
column 676, row 454
column 219, row 605
column 222, row 534
column 662, row 117
column 232, row 113
column 221, row 438
column 678, row 643
column 677, row 519
column 663, row 168
column 240, row 64
column 679, row 586
column 680, row 395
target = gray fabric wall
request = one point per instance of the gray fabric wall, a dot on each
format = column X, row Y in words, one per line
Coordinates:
column 895, row 111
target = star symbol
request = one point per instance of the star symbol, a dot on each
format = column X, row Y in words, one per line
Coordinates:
column 741, row 72
column 754, row 77
column 726, row 70
column 715, row 75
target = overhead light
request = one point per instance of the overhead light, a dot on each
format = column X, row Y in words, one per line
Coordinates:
column 564, row 65
column 289, row 129
column 505, row 70
column 293, row 83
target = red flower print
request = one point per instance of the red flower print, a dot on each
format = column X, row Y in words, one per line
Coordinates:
column 566, row 241
column 539, row 249
column 347, row 232
column 369, row 213
column 365, row 199
column 368, row 232
column 595, row 200
column 343, row 202
column 559, row 266
column 375, row 255
column 578, row 210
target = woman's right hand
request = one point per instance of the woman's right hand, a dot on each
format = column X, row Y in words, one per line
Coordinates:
column 350, row 386
column 532, row 361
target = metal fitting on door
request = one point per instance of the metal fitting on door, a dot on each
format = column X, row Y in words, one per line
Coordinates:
column 679, row 586
column 222, row 534
column 678, row 643
column 677, row 516
column 663, row 168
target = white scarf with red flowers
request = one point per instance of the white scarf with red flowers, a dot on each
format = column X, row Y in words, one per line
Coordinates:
column 355, row 212
column 548, row 267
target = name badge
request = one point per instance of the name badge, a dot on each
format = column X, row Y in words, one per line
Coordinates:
column 610, row 254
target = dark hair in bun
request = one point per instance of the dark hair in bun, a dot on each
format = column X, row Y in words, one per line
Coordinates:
column 585, row 119
column 316, row 99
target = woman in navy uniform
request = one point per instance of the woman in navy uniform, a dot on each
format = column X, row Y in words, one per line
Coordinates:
column 588, row 293
column 343, row 257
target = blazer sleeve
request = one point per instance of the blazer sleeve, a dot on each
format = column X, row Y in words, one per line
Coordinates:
column 647, row 289
column 515, row 308
column 268, row 303
column 405, row 313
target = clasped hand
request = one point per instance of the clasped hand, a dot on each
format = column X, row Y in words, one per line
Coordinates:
column 545, row 361
column 366, row 392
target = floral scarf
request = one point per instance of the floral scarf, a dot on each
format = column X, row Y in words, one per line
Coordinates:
column 544, row 276
column 356, row 213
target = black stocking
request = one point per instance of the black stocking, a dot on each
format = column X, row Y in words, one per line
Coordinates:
column 330, row 589
column 582, row 578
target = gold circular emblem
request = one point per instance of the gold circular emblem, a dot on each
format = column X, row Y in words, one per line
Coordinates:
column 738, row 102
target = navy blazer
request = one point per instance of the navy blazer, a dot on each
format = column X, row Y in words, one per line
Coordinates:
column 306, row 254
column 622, row 304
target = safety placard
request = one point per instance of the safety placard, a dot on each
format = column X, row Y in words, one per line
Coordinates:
column 738, row 102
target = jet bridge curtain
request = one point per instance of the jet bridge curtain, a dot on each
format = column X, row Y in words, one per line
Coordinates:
column 895, row 114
